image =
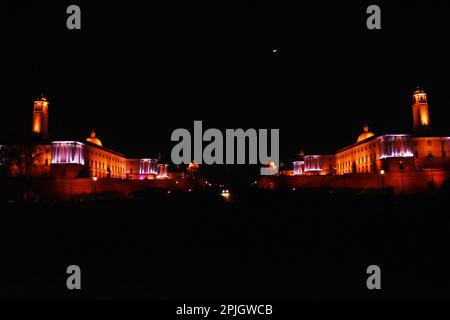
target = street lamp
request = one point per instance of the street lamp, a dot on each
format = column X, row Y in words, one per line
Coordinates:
column 225, row 193
column 94, row 179
column 382, row 179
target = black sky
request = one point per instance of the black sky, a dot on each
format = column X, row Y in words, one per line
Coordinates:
column 136, row 72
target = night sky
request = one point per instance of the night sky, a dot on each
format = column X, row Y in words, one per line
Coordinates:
column 135, row 73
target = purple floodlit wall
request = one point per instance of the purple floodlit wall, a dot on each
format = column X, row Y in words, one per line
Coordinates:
column 395, row 146
column 148, row 166
column 65, row 152
column 299, row 167
column 313, row 163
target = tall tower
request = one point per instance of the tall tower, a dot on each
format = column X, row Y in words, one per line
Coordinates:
column 40, row 118
column 421, row 117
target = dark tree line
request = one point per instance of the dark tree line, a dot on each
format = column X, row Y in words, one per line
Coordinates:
column 23, row 157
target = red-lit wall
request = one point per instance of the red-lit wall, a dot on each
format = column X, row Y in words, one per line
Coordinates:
column 68, row 189
column 400, row 182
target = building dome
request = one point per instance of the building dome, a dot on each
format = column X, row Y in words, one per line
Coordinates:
column 365, row 135
column 93, row 139
column 418, row 90
column 41, row 98
column 193, row 166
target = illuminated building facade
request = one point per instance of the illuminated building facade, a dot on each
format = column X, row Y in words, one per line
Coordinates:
column 319, row 164
column 389, row 152
column 72, row 159
column 162, row 171
column 75, row 159
column 299, row 167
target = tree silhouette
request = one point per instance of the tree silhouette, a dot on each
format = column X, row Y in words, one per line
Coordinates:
column 25, row 156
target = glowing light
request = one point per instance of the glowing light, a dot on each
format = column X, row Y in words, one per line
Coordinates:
column 398, row 155
column 94, row 179
column 225, row 193
column 424, row 117
column 193, row 166
column 37, row 123
column 382, row 172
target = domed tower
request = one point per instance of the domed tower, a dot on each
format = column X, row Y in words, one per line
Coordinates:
column 40, row 118
column 93, row 139
column 366, row 134
column 421, row 118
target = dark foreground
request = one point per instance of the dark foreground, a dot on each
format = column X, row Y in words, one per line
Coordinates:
column 259, row 245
